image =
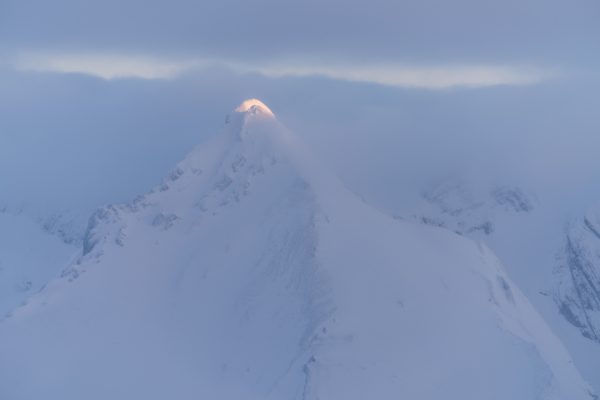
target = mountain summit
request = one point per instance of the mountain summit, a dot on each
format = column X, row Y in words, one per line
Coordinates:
column 251, row 273
column 254, row 106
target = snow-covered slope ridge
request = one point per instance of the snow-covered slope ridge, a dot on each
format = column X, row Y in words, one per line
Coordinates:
column 578, row 274
column 251, row 273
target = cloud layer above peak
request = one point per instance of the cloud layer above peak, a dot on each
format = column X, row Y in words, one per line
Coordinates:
column 114, row 66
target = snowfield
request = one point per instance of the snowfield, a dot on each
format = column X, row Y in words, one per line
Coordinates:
column 252, row 273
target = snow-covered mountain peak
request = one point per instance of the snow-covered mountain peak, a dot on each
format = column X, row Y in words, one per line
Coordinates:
column 253, row 118
column 254, row 106
column 251, row 273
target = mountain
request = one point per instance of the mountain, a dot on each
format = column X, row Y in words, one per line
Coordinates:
column 33, row 250
column 456, row 205
column 578, row 272
column 251, row 272
column 558, row 267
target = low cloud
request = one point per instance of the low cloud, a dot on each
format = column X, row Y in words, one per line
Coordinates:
column 112, row 66
column 427, row 77
column 105, row 66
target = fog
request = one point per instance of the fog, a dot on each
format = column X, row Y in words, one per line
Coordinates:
column 71, row 140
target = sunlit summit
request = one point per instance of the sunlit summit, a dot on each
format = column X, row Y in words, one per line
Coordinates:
column 254, row 106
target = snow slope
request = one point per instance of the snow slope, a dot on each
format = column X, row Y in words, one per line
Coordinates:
column 33, row 250
column 252, row 273
column 557, row 268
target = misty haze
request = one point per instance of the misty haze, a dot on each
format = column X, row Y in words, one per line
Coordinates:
column 315, row 200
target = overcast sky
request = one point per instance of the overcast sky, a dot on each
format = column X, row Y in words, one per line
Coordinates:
column 405, row 87
column 519, row 41
column 373, row 31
